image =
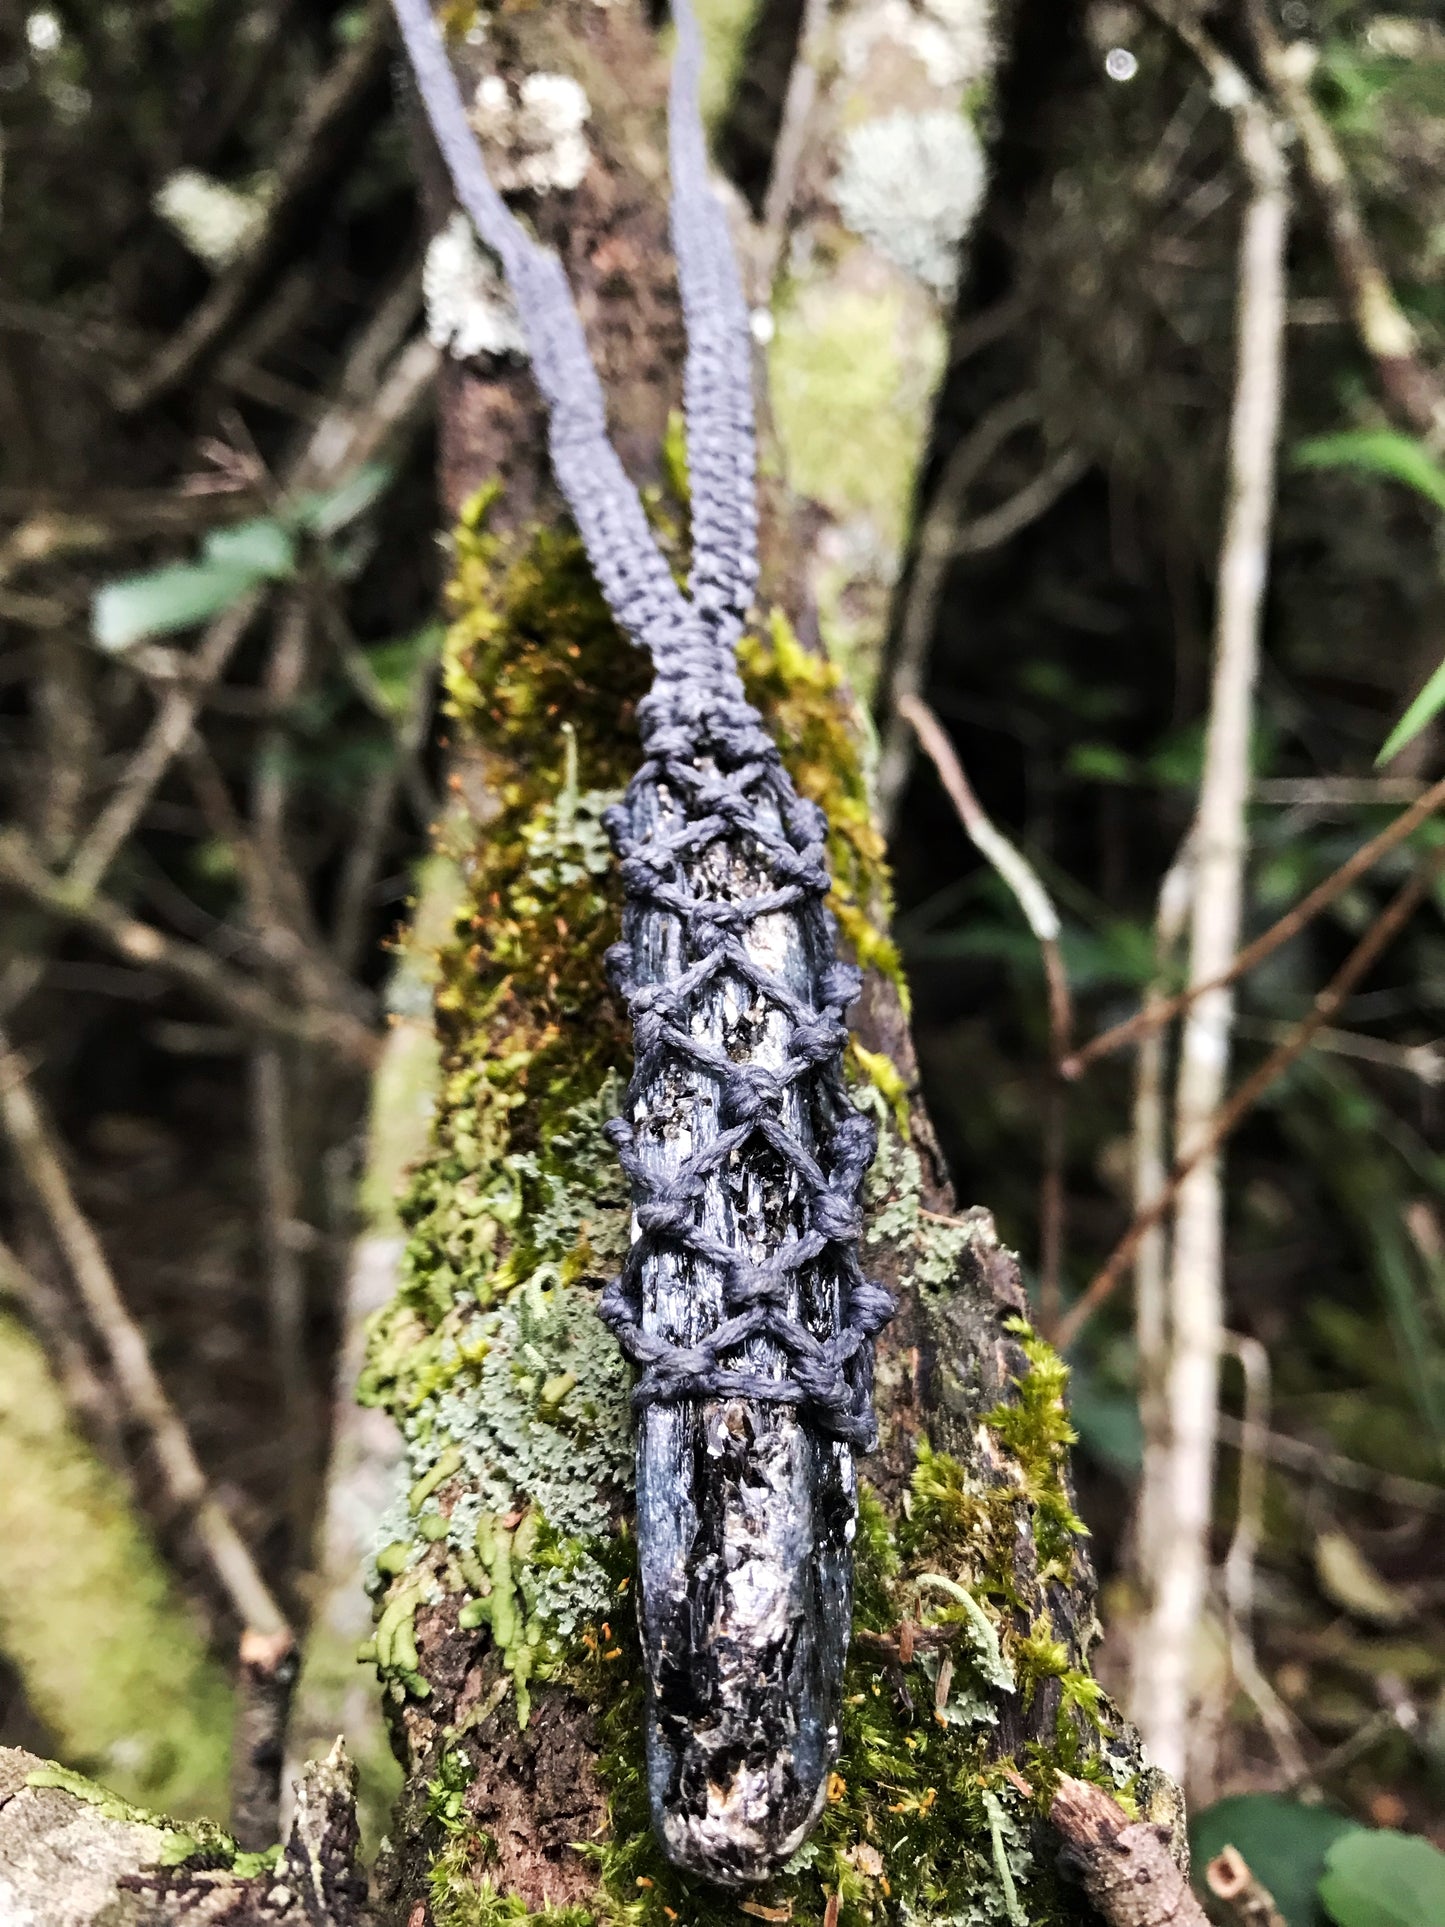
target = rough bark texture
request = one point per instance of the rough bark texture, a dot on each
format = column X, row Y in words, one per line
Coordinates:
column 72, row 1855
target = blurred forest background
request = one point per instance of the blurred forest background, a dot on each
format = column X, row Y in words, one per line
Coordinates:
column 224, row 751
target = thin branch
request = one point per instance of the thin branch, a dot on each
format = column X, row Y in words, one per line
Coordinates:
column 1024, row 507
column 1238, row 1571
column 1413, row 388
column 1318, row 1461
column 1043, row 919
column 1376, row 939
column 1014, row 868
column 788, row 151
column 265, row 1683
column 1151, row 1171
column 329, row 105
column 935, row 550
column 141, row 943
column 1278, row 934
column 38, row 1156
column 1176, row 1584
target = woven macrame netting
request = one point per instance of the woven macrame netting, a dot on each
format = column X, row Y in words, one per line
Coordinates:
column 711, row 776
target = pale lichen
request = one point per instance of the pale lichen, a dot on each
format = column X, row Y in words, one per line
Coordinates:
column 953, row 41
column 535, row 132
column 910, row 185
column 469, row 311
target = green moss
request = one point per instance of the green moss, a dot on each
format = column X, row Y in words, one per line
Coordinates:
column 1036, row 1430
column 921, row 1824
column 817, row 724
column 510, row 1396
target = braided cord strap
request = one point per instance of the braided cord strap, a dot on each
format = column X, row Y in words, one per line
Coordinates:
column 742, row 1301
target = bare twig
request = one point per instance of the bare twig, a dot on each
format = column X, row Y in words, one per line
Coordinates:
column 1125, row 1865
column 328, row 107
column 266, row 1680
column 363, row 859
column 1033, row 899
column 1151, row 1171
column 189, row 964
column 1337, row 792
column 1318, row 1461
column 279, row 1200
column 1265, row 945
column 1413, row 388
column 1037, row 496
column 1385, row 928
column 1246, row 1901
column 1015, row 869
column 38, row 1156
column 1177, row 1584
column 286, row 932
column 1424, row 1062
column 788, row 150
column 1238, row 1571
column 937, row 539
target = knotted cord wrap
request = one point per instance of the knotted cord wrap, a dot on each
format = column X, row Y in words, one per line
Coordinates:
column 742, row 1301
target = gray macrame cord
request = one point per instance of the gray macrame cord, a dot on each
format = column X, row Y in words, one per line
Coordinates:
column 742, row 1300
column 706, row 747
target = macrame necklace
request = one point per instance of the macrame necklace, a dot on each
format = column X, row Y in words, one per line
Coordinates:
column 741, row 1302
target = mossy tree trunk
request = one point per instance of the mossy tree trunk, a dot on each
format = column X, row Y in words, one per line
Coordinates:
column 505, row 1639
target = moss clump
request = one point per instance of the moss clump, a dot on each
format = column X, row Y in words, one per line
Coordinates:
column 1036, row 1430
column 510, row 1396
column 817, row 725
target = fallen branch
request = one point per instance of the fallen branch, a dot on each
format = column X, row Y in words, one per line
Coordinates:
column 1125, row 1865
column 1245, row 1900
column 75, row 1858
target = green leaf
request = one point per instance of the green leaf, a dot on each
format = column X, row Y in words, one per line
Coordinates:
column 328, row 512
column 395, row 664
column 1384, row 1879
column 262, row 545
column 1100, row 763
column 1425, row 708
column 1378, row 451
column 1107, row 1421
column 162, row 601
column 1284, row 1842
